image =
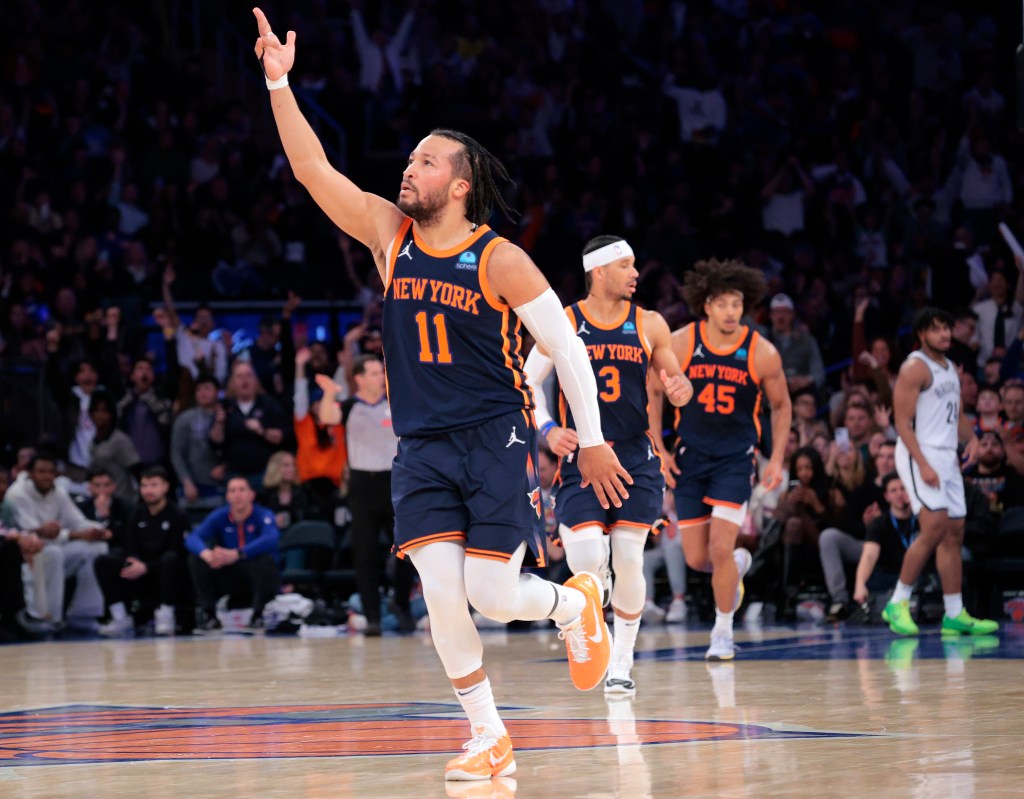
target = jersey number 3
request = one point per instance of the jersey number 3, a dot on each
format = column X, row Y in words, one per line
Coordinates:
column 444, row 355
column 612, row 385
column 721, row 400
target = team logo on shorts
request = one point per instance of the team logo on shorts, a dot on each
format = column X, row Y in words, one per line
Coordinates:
column 535, row 501
column 513, row 439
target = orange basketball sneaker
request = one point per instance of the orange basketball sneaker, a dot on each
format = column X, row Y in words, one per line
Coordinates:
column 487, row 755
column 587, row 640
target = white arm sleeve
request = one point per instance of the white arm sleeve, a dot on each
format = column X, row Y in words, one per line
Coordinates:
column 545, row 319
column 538, row 366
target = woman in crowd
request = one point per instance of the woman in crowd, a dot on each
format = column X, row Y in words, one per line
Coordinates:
column 804, row 511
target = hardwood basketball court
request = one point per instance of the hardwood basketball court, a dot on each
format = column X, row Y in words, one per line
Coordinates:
column 801, row 712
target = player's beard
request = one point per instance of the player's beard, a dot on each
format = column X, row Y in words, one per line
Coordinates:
column 940, row 345
column 425, row 209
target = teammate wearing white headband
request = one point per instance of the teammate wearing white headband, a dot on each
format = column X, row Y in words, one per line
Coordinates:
column 730, row 366
column 466, row 504
column 607, row 254
column 625, row 343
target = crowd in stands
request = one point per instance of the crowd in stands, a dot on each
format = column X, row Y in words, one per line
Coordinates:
column 861, row 153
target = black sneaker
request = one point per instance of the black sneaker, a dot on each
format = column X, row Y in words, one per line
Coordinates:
column 406, row 623
column 206, row 623
column 372, row 629
column 860, row 613
column 838, row 611
column 27, row 624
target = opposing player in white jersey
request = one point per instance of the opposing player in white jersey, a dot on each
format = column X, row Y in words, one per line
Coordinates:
column 931, row 424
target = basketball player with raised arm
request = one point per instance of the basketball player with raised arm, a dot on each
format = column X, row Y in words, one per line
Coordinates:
column 624, row 342
column 930, row 423
column 730, row 367
column 464, row 484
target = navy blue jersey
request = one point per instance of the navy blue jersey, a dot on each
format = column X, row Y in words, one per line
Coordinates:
column 620, row 357
column 452, row 349
column 722, row 418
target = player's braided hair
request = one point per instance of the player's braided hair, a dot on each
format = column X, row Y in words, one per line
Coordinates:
column 476, row 164
column 710, row 278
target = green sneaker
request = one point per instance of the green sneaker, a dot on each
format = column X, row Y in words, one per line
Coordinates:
column 966, row 624
column 897, row 614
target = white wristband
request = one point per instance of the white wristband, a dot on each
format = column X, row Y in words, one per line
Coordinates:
column 280, row 83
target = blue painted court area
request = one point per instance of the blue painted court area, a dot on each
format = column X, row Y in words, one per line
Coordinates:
column 854, row 643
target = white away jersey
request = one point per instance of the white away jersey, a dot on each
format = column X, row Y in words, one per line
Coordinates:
column 938, row 406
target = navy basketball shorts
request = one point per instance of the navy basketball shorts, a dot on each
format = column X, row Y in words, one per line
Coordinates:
column 477, row 485
column 705, row 481
column 577, row 507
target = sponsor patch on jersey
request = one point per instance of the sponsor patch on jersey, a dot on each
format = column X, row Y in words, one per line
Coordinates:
column 741, row 354
column 467, row 261
column 629, row 329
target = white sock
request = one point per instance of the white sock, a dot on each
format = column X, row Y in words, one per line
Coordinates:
column 569, row 606
column 478, row 702
column 723, row 623
column 902, row 592
column 118, row 612
column 624, row 640
column 954, row 604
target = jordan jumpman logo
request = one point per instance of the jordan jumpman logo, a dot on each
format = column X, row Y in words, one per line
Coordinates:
column 512, row 439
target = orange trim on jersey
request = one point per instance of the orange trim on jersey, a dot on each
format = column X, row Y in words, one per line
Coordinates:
column 704, row 338
column 757, row 415
column 485, row 284
column 458, row 248
column 637, row 525
column 517, row 367
column 693, row 522
column 393, row 257
column 572, row 317
column 754, row 339
column 433, row 538
column 508, row 332
column 598, row 325
column 486, row 554
column 721, row 503
column 640, row 332
column 506, row 351
column 684, row 362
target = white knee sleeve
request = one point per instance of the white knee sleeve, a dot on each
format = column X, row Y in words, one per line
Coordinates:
column 586, row 549
column 441, row 570
column 501, row 592
column 630, row 588
column 733, row 515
